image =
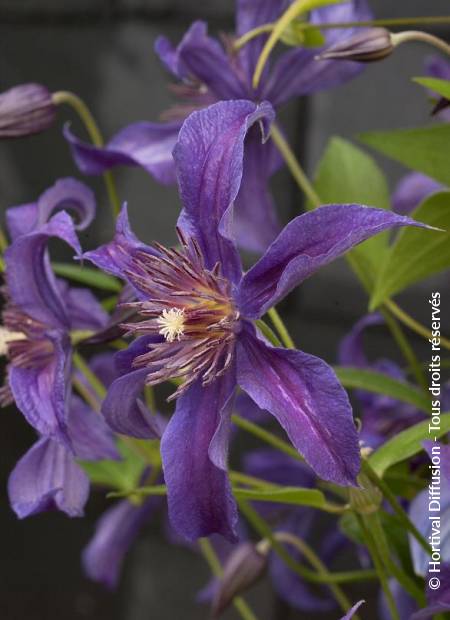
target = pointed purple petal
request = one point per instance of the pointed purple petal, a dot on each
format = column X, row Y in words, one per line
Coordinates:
column 66, row 194
column 116, row 256
column 91, row 438
column 125, row 413
column 45, row 477
column 148, row 145
column 194, row 452
column 255, row 218
column 298, row 73
column 306, row 244
column 31, row 283
column 249, row 15
column 351, row 348
column 305, row 396
column 352, row 611
column 41, row 394
column 209, row 159
column 412, row 189
column 116, row 531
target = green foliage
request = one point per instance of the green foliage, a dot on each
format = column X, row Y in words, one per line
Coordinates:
column 285, row 495
column 406, row 444
column 346, row 174
column 417, row 253
column 441, row 87
column 380, row 383
column 425, row 149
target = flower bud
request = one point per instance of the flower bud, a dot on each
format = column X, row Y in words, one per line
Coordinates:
column 244, row 567
column 366, row 46
column 25, row 110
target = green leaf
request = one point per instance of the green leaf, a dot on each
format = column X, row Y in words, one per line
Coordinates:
column 285, row 495
column 87, row 276
column 123, row 475
column 372, row 381
column 297, row 35
column 417, row 253
column 406, row 444
column 346, row 174
column 441, row 87
column 425, row 149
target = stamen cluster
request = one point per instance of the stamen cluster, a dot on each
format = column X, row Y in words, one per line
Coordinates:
column 191, row 308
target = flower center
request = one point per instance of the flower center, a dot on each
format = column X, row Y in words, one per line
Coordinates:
column 191, row 307
column 6, row 337
column 172, row 323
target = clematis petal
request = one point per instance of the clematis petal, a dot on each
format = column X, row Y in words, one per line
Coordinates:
column 83, row 308
column 412, row 189
column 116, row 531
column 31, row 284
column 349, row 615
column 209, row 159
column 249, row 15
column 305, row 396
column 125, row 413
column 194, row 449
column 66, row 194
column 298, row 72
column 91, row 438
column 203, row 59
column 116, row 256
column 351, row 349
column 255, row 218
column 45, row 477
column 42, row 393
column 306, row 244
column 143, row 144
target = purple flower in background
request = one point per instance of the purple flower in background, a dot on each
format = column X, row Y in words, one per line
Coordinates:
column 48, row 476
column 209, row 71
column 411, row 190
column 25, row 110
column 383, row 416
column 439, row 67
column 197, row 308
column 40, row 311
column 352, row 611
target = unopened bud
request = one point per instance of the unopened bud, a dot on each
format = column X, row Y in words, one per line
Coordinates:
column 367, row 46
column 367, row 498
column 25, row 110
column 244, row 567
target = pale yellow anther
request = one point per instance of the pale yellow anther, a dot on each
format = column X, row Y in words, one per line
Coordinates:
column 7, row 336
column 172, row 324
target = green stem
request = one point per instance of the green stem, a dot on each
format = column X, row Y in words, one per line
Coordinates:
column 77, row 104
column 381, row 23
column 422, row 37
column 264, row 531
column 85, row 393
column 268, row 333
column 317, row 564
column 374, row 524
column 414, row 325
column 240, row 478
column 396, row 507
column 92, row 379
column 372, row 546
column 266, row 436
column 214, row 564
column 281, row 328
column 292, row 163
column 406, row 349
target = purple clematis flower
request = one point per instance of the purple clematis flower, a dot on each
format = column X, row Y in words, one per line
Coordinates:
column 48, row 476
column 383, row 416
column 411, row 190
column 207, row 72
column 41, row 311
column 438, row 67
column 197, row 308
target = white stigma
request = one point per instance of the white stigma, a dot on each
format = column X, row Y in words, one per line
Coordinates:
column 7, row 336
column 172, row 324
